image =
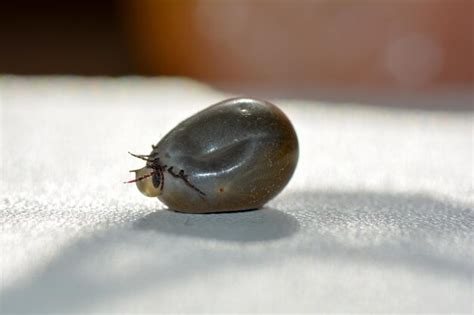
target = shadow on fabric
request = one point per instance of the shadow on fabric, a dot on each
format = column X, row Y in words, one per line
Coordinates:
column 250, row 226
column 400, row 231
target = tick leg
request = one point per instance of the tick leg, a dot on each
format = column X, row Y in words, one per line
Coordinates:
column 148, row 158
column 185, row 179
column 141, row 157
column 140, row 178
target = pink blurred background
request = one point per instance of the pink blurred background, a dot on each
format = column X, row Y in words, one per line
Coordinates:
column 281, row 47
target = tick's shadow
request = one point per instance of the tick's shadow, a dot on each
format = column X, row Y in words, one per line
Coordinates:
column 416, row 235
column 246, row 226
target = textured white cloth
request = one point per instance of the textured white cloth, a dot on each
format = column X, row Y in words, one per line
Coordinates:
column 377, row 218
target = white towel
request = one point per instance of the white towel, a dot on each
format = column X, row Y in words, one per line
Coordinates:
column 377, row 218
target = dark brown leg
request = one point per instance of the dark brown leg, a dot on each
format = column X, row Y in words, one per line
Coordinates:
column 141, row 156
column 140, row 178
column 185, row 179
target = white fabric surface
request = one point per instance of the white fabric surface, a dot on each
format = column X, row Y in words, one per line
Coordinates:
column 377, row 218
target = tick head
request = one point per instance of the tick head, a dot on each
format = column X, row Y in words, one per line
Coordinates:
column 148, row 181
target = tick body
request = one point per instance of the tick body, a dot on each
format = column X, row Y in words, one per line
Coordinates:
column 234, row 155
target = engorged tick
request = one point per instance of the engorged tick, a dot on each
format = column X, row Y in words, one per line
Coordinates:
column 245, row 147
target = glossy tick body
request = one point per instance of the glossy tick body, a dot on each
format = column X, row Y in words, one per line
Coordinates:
column 234, row 155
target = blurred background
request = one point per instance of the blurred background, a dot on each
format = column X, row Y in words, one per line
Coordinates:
column 304, row 48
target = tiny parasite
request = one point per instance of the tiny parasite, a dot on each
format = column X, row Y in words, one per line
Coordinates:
column 234, row 155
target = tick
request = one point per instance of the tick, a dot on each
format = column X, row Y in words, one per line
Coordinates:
column 234, row 155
